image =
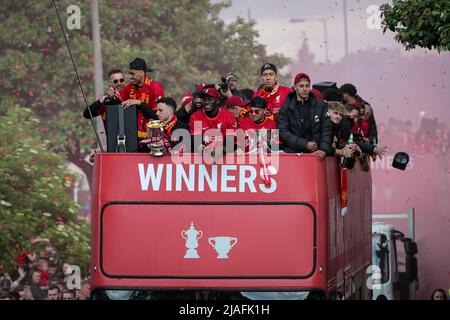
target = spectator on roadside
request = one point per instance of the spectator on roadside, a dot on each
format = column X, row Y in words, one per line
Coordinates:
column 439, row 294
column 20, row 279
column 5, row 285
column 54, row 293
column 36, row 290
column 53, row 274
column 11, row 295
column 43, row 268
column 68, row 294
column 26, row 293
column 85, row 290
column 66, row 271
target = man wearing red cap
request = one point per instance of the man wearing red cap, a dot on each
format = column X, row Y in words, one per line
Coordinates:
column 211, row 116
column 141, row 90
column 303, row 121
column 237, row 107
column 271, row 91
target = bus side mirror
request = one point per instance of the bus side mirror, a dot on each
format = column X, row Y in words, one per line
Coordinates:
column 411, row 261
column 410, row 246
column 411, row 268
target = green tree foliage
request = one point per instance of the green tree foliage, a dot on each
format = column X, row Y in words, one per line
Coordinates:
column 34, row 199
column 185, row 41
column 423, row 23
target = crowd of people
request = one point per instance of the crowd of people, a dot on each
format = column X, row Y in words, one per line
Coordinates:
column 431, row 137
column 302, row 119
column 42, row 276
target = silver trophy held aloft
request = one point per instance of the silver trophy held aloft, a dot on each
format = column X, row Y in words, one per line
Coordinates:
column 155, row 133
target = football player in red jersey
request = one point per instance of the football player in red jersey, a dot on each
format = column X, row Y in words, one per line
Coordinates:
column 274, row 94
column 258, row 127
column 212, row 123
column 237, row 106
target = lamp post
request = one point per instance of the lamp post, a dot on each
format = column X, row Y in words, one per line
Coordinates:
column 98, row 68
column 345, row 27
column 325, row 31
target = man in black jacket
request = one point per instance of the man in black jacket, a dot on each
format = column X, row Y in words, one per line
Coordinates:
column 116, row 83
column 303, row 121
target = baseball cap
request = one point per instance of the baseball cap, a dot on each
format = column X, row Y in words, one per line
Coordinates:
column 235, row 101
column 268, row 66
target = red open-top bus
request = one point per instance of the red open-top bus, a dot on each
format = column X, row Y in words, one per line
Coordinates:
column 167, row 230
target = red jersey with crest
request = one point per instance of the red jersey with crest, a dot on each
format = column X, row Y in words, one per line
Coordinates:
column 275, row 98
column 223, row 120
column 249, row 126
column 148, row 93
column 247, row 123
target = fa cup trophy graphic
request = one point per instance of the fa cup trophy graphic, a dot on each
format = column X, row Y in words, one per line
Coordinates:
column 191, row 236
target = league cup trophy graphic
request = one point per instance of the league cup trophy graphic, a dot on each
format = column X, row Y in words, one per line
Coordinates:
column 222, row 245
column 191, row 236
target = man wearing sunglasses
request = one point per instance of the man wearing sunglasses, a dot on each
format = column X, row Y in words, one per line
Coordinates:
column 303, row 121
column 258, row 127
column 116, row 83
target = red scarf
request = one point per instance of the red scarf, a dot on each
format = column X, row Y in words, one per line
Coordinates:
column 169, row 126
column 166, row 139
column 274, row 90
column 144, row 97
column 244, row 112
